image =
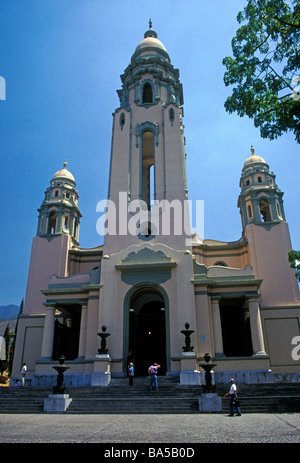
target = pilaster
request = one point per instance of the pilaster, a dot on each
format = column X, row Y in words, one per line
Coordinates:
column 256, row 327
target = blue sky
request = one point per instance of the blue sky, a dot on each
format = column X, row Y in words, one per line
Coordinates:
column 62, row 61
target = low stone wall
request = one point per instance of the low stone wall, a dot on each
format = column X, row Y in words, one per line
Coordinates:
column 186, row 378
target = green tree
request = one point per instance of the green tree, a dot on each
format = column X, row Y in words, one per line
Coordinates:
column 294, row 259
column 265, row 67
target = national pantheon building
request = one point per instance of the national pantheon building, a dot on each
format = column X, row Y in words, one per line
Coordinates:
column 153, row 289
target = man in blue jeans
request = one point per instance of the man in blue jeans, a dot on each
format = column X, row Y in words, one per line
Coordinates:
column 233, row 398
column 153, row 374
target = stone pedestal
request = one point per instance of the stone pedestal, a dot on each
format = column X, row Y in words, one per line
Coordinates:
column 57, row 403
column 101, row 375
column 189, row 375
column 100, row 379
column 210, row 403
column 190, row 378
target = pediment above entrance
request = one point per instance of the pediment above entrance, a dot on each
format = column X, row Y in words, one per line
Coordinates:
column 146, row 265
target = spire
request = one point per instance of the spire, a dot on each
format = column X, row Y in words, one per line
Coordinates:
column 252, row 150
column 150, row 32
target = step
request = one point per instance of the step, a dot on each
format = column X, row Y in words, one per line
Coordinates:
column 171, row 397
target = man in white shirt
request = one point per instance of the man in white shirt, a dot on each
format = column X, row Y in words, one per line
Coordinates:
column 233, row 398
column 24, row 373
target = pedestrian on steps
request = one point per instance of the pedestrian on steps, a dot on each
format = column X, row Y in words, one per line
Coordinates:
column 234, row 402
column 23, row 373
column 131, row 373
column 152, row 371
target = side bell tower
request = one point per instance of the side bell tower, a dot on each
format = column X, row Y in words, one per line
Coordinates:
column 59, row 213
column 57, row 233
column 266, row 231
column 260, row 200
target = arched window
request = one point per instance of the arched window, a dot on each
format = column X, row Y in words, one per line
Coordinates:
column 172, row 115
column 122, row 120
column 76, row 229
column 148, row 192
column 249, row 211
column 147, row 93
column 264, row 210
column 66, row 224
column 52, row 223
column 278, row 210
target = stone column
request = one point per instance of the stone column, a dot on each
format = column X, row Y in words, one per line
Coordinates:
column 256, row 327
column 218, row 338
column 48, row 335
column 82, row 335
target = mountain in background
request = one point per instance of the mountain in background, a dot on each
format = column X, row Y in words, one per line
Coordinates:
column 9, row 312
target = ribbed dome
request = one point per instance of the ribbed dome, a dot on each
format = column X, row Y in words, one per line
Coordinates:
column 64, row 173
column 254, row 158
column 151, row 43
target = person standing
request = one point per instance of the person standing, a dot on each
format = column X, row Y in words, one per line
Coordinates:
column 233, row 398
column 24, row 373
column 131, row 373
column 152, row 371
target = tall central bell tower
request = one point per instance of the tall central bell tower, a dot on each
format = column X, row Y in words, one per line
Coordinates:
column 148, row 153
column 147, row 294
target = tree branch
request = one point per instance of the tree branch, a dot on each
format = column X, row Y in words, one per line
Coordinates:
column 280, row 77
column 281, row 21
column 258, row 46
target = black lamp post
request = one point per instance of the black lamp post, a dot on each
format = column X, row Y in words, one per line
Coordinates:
column 208, row 367
column 61, row 368
column 187, row 333
column 103, row 336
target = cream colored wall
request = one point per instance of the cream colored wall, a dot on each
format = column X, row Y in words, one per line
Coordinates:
column 268, row 250
column 280, row 326
column 213, row 252
column 28, row 343
column 205, row 335
column 47, row 258
column 83, row 263
column 92, row 329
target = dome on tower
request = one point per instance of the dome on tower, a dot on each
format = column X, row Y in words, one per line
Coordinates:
column 151, row 43
column 63, row 173
column 253, row 158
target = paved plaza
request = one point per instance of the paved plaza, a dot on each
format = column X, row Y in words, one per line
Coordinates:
column 150, row 429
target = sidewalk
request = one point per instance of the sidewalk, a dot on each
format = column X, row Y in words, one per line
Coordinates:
column 150, row 429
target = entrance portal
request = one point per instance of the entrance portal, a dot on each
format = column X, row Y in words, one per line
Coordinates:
column 147, row 332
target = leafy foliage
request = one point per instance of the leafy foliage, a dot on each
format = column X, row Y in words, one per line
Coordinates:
column 265, row 67
column 294, row 259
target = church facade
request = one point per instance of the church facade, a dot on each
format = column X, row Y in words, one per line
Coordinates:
column 153, row 289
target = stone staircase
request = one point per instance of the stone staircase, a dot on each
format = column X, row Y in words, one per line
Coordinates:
column 119, row 397
column 266, row 398
column 171, row 397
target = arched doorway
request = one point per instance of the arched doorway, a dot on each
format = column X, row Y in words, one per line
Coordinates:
column 147, row 330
